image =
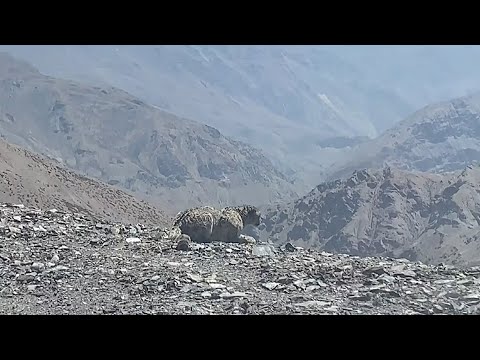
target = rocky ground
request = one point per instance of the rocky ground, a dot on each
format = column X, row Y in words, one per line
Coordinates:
column 53, row 262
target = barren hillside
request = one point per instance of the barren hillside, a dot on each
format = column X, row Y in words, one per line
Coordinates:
column 32, row 180
column 390, row 212
column 110, row 135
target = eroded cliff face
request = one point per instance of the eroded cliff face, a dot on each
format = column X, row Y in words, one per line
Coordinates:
column 391, row 212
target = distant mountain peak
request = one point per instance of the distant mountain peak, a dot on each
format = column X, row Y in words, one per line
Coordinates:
column 108, row 134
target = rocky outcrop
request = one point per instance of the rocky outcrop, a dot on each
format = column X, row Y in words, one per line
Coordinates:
column 390, row 212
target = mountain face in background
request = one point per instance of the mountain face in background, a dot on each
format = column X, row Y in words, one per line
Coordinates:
column 290, row 101
column 311, row 109
column 439, row 138
column 33, row 180
column 389, row 212
column 106, row 133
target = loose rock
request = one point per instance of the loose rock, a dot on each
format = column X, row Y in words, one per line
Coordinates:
column 50, row 265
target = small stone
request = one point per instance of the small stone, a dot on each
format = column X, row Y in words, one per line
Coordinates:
column 365, row 297
column 185, row 304
column 290, row 247
column 227, row 295
column 347, row 268
column 376, row 288
column 60, row 268
column 379, row 270
column 397, row 268
column 17, row 218
column 14, row 230
column 195, row 277
column 386, row 278
column 183, row 245
column 155, row 278
column 4, row 257
column 472, row 297
column 270, row 285
column 55, row 258
column 31, row 287
column 321, row 284
column 6, row 292
column 133, row 240
column 217, row 286
column 114, row 230
column 195, row 246
column 332, row 308
column 235, row 294
column 245, row 239
column 52, row 211
column 443, row 281
column 186, row 288
column 452, row 294
column 27, row 277
column 206, row 294
column 299, row 284
column 38, row 266
column 426, row 291
column 263, row 250
column 313, row 303
column 405, row 273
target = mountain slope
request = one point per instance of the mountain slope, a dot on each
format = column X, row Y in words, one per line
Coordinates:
column 438, row 138
column 286, row 100
column 111, row 135
column 428, row 217
column 33, row 180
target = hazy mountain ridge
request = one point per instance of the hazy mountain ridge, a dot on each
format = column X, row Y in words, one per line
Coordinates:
column 108, row 134
column 286, row 100
column 439, row 138
column 390, row 212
